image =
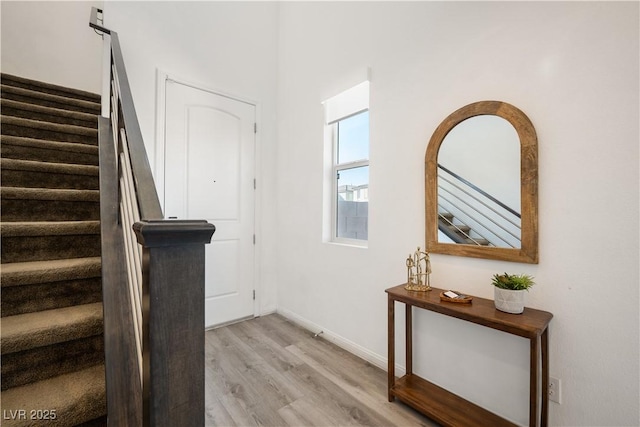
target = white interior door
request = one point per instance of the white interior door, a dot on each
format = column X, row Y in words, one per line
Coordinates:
column 209, row 174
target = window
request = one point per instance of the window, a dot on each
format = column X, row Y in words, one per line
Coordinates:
column 348, row 128
column 351, row 146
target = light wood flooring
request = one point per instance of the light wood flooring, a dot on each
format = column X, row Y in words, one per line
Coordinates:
column 269, row 372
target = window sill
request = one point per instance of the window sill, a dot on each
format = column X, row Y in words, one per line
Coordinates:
column 352, row 243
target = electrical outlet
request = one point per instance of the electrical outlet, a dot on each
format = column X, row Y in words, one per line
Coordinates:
column 555, row 390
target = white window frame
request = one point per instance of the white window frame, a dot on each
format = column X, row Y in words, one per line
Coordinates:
column 345, row 105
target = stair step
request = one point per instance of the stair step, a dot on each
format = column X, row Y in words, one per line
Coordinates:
column 50, row 194
column 447, row 215
column 29, row 173
column 40, row 363
column 41, row 98
column 49, row 296
column 48, row 114
column 45, row 285
column 45, row 204
column 475, row 241
column 49, row 228
column 75, row 397
column 460, row 228
column 21, row 148
column 38, row 86
column 36, row 272
column 16, row 126
column 44, row 328
column 49, row 240
column 480, row 242
column 43, row 344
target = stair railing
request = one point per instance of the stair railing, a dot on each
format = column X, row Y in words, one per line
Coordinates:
column 152, row 277
column 489, row 218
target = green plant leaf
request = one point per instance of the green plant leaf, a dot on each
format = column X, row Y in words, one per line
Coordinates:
column 515, row 282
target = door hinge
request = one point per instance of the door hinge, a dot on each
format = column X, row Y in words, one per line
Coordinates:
column 254, row 239
column 254, row 183
column 255, row 128
column 254, row 294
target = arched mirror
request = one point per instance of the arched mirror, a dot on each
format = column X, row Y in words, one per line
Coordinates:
column 481, row 184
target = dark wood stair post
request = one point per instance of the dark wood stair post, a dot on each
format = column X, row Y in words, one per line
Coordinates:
column 173, row 320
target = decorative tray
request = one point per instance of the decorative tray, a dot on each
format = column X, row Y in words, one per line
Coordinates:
column 462, row 299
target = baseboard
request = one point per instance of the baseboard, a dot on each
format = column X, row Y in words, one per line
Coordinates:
column 344, row 343
column 265, row 311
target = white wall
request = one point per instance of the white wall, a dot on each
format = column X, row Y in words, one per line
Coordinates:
column 51, row 41
column 573, row 69
column 224, row 46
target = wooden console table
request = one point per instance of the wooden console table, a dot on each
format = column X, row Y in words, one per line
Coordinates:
column 443, row 406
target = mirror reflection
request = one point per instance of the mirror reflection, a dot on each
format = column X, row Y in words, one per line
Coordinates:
column 479, row 184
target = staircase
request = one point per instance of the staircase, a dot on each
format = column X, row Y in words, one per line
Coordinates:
column 457, row 231
column 52, row 328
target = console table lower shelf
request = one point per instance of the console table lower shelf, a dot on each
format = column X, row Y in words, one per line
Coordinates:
column 441, row 405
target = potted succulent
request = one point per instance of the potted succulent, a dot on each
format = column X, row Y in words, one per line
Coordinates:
column 509, row 291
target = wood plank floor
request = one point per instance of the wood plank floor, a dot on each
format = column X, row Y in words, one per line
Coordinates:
column 269, row 372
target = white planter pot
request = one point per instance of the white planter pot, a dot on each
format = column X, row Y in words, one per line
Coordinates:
column 509, row 301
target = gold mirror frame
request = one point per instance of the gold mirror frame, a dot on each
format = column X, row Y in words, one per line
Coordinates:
column 528, row 251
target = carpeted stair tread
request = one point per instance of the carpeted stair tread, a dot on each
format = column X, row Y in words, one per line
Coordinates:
column 17, row 126
column 27, row 331
column 49, row 228
column 35, row 272
column 40, row 363
column 48, row 100
column 45, row 204
column 31, row 286
column 38, row 86
column 61, row 168
column 49, row 114
column 50, row 194
column 49, row 240
column 34, row 174
column 76, row 398
column 71, row 147
column 38, row 204
column 16, row 147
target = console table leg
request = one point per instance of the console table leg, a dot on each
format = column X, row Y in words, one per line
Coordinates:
column 533, row 383
column 544, row 418
column 409, row 338
column 391, row 351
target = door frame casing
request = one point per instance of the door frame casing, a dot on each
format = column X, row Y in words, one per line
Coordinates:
column 159, row 149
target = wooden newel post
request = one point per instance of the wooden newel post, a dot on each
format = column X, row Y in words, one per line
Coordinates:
column 173, row 320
